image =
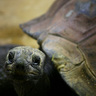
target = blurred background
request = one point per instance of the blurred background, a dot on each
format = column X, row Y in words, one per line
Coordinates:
column 15, row 12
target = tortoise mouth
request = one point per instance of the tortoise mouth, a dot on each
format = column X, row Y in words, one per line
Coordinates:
column 22, row 75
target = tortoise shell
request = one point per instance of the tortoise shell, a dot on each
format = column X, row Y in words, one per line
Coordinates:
column 68, row 36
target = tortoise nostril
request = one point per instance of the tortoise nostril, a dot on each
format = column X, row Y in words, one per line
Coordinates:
column 19, row 67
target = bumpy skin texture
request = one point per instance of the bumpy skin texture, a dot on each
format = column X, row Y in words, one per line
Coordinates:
column 6, row 87
column 69, row 40
column 25, row 67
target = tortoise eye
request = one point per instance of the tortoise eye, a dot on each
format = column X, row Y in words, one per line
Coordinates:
column 11, row 57
column 36, row 60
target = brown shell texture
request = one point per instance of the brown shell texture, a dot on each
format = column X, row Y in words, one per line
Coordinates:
column 69, row 39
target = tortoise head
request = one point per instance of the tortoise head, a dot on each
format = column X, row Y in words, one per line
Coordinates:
column 24, row 63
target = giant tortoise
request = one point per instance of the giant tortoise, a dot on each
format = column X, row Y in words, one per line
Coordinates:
column 67, row 36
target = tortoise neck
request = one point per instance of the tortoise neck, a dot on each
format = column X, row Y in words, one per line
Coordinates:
column 24, row 88
column 32, row 88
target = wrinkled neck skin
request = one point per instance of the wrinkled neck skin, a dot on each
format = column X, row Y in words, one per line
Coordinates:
column 33, row 88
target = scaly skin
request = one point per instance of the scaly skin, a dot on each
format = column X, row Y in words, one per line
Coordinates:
column 25, row 67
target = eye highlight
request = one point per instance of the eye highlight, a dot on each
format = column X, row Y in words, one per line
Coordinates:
column 11, row 57
column 35, row 60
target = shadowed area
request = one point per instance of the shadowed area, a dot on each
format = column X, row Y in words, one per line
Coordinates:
column 6, row 87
